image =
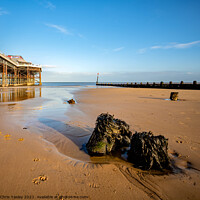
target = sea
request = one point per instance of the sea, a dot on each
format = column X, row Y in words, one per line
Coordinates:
column 68, row 84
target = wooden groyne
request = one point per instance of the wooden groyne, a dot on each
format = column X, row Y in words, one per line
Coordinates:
column 188, row 86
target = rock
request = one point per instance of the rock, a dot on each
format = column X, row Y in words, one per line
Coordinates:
column 71, row 101
column 109, row 134
column 174, row 96
column 149, row 151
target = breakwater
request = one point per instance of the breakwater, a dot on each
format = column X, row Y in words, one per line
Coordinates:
column 189, row 86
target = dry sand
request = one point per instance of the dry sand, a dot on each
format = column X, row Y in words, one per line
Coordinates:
column 31, row 165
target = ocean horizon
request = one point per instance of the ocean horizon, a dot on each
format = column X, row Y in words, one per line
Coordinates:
column 68, row 83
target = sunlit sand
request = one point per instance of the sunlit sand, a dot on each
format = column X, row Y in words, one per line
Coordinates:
column 43, row 143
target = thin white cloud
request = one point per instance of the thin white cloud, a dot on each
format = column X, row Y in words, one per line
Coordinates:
column 170, row 46
column 81, row 36
column 50, row 5
column 118, row 49
column 46, row 4
column 189, row 73
column 162, row 47
column 156, row 47
column 177, row 45
column 3, row 12
column 59, row 28
column 107, row 50
column 49, row 66
column 141, row 51
column 186, row 45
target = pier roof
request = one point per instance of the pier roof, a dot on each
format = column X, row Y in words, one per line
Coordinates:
column 18, row 61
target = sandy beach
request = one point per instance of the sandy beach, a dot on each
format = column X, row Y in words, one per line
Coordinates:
column 42, row 143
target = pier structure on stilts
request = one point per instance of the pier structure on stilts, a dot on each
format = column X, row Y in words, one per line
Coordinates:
column 15, row 71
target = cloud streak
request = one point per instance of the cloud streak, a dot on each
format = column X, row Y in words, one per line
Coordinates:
column 118, row 49
column 46, row 4
column 59, row 28
column 177, row 45
column 81, row 36
column 49, row 66
column 141, row 51
column 50, row 5
column 3, row 12
column 170, row 46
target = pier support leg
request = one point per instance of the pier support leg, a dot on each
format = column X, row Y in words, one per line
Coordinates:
column 15, row 76
column 10, row 79
column 4, row 75
column 40, row 78
column 34, row 79
column 27, row 77
column 18, row 78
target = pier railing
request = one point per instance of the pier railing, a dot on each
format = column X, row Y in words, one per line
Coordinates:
column 190, row 86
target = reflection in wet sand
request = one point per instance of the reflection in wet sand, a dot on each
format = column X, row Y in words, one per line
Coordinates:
column 49, row 119
column 19, row 94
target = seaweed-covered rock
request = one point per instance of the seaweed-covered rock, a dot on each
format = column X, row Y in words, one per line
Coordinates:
column 109, row 134
column 149, row 151
column 174, row 96
column 71, row 101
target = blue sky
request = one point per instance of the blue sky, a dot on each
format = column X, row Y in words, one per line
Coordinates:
column 123, row 40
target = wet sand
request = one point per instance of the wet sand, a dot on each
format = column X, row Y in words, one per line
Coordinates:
column 43, row 141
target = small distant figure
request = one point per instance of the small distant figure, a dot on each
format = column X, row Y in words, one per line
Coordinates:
column 174, row 96
column 71, row 101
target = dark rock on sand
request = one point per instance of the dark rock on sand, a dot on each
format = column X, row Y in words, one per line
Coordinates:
column 174, row 96
column 71, row 101
column 109, row 134
column 149, row 151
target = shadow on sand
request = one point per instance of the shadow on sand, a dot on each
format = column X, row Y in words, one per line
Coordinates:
column 78, row 135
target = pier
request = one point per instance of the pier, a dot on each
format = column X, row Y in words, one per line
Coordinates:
column 15, row 71
column 189, row 86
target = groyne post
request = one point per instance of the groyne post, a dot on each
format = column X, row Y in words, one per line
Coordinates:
column 174, row 96
column 181, row 84
column 194, row 82
column 170, row 84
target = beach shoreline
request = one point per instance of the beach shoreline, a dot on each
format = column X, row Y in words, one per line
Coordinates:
column 68, row 170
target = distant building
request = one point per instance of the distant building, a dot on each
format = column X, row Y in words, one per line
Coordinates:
column 15, row 71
